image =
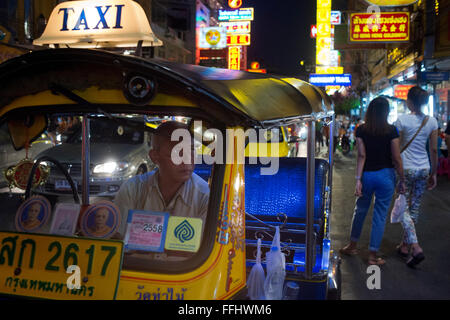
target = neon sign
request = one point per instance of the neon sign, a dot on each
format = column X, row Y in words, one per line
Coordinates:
column 236, row 26
column 242, row 14
column 234, row 58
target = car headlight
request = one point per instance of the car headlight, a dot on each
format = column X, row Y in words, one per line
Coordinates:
column 110, row 167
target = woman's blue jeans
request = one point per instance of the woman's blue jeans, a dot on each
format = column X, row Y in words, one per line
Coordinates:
column 382, row 184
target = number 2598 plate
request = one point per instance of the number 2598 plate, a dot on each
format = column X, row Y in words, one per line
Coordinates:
column 36, row 265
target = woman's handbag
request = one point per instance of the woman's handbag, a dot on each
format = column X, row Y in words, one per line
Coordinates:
column 398, row 209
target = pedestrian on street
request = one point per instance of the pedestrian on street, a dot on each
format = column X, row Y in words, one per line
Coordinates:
column 378, row 146
column 416, row 129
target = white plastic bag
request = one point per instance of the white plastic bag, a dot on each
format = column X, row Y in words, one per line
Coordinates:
column 276, row 271
column 398, row 209
column 256, row 278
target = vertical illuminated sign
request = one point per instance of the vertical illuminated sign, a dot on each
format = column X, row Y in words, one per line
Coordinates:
column 323, row 39
column 234, row 58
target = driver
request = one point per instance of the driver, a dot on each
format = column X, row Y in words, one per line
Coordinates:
column 170, row 188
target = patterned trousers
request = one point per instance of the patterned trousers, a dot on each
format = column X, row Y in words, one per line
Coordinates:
column 415, row 183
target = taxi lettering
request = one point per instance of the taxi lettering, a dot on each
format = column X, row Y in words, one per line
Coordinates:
column 83, row 22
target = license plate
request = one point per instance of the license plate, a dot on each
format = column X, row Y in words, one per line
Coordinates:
column 35, row 266
column 63, row 185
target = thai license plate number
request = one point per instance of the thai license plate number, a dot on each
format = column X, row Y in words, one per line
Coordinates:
column 37, row 265
column 64, row 185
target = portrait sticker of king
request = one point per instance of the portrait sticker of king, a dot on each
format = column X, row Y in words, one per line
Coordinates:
column 33, row 214
column 184, row 234
column 101, row 220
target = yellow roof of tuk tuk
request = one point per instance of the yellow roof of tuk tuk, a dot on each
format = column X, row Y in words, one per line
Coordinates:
column 236, row 97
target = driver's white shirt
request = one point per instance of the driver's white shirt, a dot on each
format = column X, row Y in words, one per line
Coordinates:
column 142, row 193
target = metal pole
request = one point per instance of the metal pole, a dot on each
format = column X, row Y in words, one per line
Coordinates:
column 85, row 161
column 331, row 158
column 310, row 172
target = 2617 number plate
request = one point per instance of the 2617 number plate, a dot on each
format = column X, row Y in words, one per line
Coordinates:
column 35, row 265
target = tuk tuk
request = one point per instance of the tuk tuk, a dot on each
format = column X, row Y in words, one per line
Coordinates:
column 98, row 103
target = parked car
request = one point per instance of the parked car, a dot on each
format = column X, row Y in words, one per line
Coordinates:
column 118, row 152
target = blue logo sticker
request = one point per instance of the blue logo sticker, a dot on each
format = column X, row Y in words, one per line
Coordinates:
column 184, row 231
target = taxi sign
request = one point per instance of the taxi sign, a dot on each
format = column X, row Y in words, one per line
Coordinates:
column 35, row 265
column 92, row 24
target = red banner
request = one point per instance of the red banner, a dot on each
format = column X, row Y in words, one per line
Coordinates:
column 401, row 91
column 382, row 27
column 238, row 39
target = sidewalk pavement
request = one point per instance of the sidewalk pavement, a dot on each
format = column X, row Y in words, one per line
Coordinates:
column 431, row 278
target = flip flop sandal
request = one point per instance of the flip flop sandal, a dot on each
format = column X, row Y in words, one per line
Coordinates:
column 377, row 261
column 401, row 253
column 349, row 252
column 415, row 260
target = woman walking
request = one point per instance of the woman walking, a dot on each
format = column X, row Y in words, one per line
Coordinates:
column 416, row 129
column 378, row 147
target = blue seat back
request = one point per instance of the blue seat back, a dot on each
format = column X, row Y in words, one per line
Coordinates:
column 268, row 195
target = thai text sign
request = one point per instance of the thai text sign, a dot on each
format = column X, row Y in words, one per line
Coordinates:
column 323, row 80
column 379, row 27
column 35, row 266
column 242, row 14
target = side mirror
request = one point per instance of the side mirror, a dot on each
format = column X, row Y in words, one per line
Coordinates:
column 294, row 139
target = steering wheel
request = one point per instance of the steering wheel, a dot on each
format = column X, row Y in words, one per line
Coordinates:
column 60, row 167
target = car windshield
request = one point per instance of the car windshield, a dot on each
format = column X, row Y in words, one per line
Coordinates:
column 103, row 130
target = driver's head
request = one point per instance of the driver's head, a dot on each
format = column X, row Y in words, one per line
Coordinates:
column 161, row 152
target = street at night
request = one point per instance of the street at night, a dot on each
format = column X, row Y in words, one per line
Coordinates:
column 248, row 151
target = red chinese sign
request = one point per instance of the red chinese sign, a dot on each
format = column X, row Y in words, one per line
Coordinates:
column 238, row 39
column 234, row 58
column 401, row 91
column 379, row 27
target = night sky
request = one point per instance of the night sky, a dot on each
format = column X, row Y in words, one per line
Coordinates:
column 280, row 35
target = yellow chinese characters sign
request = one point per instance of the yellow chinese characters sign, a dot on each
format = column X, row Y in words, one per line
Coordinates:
column 234, row 58
column 35, row 265
column 379, row 27
column 238, row 39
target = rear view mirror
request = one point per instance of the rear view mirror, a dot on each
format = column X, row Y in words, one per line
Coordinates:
column 26, row 129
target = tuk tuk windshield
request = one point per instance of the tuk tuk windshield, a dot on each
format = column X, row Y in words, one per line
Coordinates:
column 148, row 190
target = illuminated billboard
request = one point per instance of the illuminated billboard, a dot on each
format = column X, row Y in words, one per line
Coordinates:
column 330, row 70
column 236, row 26
column 323, row 80
column 238, row 39
column 234, row 58
column 391, row 3
column 379, row 27
column 242, row 14
column 213, row 37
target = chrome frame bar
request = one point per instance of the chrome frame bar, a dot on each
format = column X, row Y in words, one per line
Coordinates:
column 331, row 159
column 310, row 173
column 85, row 158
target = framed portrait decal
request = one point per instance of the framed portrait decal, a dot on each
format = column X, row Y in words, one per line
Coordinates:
column 65, row 219
column 33, row 214
column 101, row 220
